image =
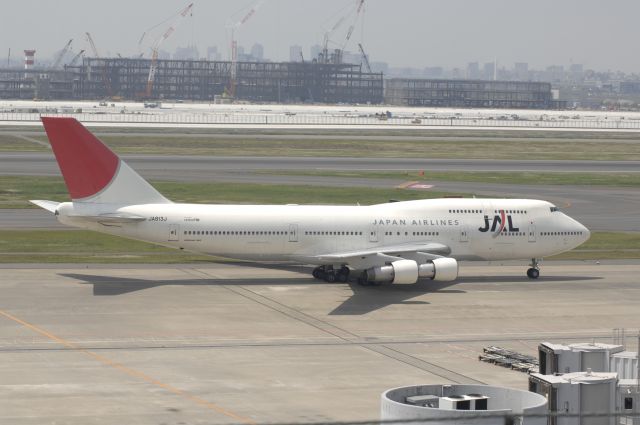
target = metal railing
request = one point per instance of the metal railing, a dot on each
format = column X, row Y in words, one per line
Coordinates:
column 322, row 120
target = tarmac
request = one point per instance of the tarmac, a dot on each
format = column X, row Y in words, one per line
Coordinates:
column 163, row 166
column 238, row 343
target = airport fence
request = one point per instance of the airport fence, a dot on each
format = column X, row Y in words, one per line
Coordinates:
column 322, row 120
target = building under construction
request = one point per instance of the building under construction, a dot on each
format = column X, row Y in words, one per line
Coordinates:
column 37, row 84
column 469, row 93
column 268, row 82
column 199, row 80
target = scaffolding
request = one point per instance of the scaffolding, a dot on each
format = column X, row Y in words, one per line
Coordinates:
column 201, row 80
column 468, row 93
column 36, row 84
column 268, row 82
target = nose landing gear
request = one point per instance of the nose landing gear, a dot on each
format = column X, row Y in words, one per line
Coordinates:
column 534, row 271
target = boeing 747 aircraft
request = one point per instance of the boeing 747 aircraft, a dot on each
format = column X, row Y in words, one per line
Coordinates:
column 396, row 242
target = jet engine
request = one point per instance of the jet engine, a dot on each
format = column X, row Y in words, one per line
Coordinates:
column 441, row 269
column 400, row 271
column 408, row 271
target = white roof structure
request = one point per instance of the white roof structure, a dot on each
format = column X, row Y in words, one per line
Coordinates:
column 579, row 377
column 463, row 404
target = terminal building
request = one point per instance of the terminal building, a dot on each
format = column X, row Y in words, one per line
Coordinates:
column 589, row 398
column 598, row 357
column 588, row 383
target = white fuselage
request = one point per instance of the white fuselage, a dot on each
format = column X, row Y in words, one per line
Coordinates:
column 469, row 227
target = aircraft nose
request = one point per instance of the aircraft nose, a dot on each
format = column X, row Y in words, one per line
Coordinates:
column 582, row 232
column 586, row 233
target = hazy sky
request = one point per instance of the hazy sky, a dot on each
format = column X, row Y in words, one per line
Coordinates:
column 597, row 33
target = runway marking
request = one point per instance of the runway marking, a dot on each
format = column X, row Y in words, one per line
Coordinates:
column 129, row 371
column 406, row 184
column 344, row 335
column 30, row 139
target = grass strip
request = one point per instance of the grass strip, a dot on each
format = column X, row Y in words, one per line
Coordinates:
column 84, row 246
column 12, row 143
column 445, row 148
column 15, row 192
column 369, row 143
column 631, row 179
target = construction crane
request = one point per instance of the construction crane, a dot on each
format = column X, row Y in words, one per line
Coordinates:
column 356, row 11
column 231, row 90
column 365, row 58
column 93, row 45
column 75, row 58
column 62, row 54
column 359, row 10
column 105, row 79
column 153, row 68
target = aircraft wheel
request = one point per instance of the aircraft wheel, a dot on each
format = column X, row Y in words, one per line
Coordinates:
column 330, row 277
column 343, row 275
column 533, row 273
column 318, row 273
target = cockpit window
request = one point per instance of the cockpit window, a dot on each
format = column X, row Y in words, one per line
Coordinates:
column 554, row 209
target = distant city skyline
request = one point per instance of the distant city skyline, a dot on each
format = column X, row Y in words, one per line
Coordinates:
column 405, row 33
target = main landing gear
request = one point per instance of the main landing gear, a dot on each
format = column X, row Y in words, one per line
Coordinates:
column 330, row 275
column 534, row 271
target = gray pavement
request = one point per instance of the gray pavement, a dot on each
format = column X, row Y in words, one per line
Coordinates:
column 378, row 134
column 28, row 219
column 202, row 166
column 233, row 343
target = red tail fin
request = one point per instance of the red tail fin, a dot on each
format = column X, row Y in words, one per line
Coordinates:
column 87, row 165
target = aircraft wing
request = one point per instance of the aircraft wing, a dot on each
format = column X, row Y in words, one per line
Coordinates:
column 383, row 254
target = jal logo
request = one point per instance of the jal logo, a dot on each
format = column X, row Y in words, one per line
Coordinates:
column 498, row 224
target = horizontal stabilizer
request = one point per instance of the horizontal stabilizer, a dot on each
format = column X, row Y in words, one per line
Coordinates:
column 111, row 218
column 47, row 205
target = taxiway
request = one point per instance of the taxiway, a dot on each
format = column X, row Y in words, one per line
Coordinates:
column 236, row 343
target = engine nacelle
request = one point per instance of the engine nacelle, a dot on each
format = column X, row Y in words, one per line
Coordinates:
column 441, row 269
column 401, row 271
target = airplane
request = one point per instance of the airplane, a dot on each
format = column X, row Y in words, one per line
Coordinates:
column 394, row 242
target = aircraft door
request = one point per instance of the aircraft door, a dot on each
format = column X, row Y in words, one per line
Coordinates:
column 532, row 233
column 174, row 232
column 293, row 233
column 373, row 234
column 487, row 209
column 464, row 234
